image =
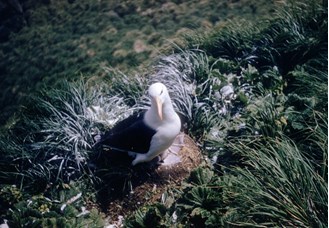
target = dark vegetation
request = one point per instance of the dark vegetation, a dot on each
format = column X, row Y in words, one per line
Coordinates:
column 64, row 39
column 253, row 95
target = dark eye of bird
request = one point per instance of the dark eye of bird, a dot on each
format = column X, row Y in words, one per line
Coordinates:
column 161, row 92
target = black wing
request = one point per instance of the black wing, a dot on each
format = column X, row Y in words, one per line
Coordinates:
column 131, row 134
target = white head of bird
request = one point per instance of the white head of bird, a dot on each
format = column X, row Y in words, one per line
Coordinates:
column 160, row 100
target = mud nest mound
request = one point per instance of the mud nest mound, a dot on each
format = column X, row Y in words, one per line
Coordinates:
column 126, row 188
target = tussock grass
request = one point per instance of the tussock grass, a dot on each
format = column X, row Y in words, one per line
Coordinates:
column 56, row 131
column 179, row 73
column 130, row 87
column 279, row 187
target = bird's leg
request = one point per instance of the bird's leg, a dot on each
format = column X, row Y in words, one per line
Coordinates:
column 132, row 154
column 177, row 145
column 171, row 151
column 163, row 156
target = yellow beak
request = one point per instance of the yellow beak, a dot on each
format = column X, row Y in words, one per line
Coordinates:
column 159, row 107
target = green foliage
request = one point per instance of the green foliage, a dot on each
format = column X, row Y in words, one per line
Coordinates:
column 201, row 176
column 279, row 187
column 259, row 108
column 65, row 209
column 131, row 88
column 267, row 116
column 149, row 216
column 252, row 95
column 62, row 39
column 286, row 41
column 201, row 199
column 9, row 195
column 53, row 140
column 196, row 204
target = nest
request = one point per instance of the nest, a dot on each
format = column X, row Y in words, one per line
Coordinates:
column 177, row 166
column 150, row 181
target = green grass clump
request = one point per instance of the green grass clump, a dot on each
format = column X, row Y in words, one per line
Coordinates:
column 279, row 186
column 55, row 133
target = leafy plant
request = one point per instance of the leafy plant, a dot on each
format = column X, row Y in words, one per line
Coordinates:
column 154, row 216
column 65, row 209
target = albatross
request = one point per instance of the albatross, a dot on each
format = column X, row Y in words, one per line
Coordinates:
column 147, row 134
